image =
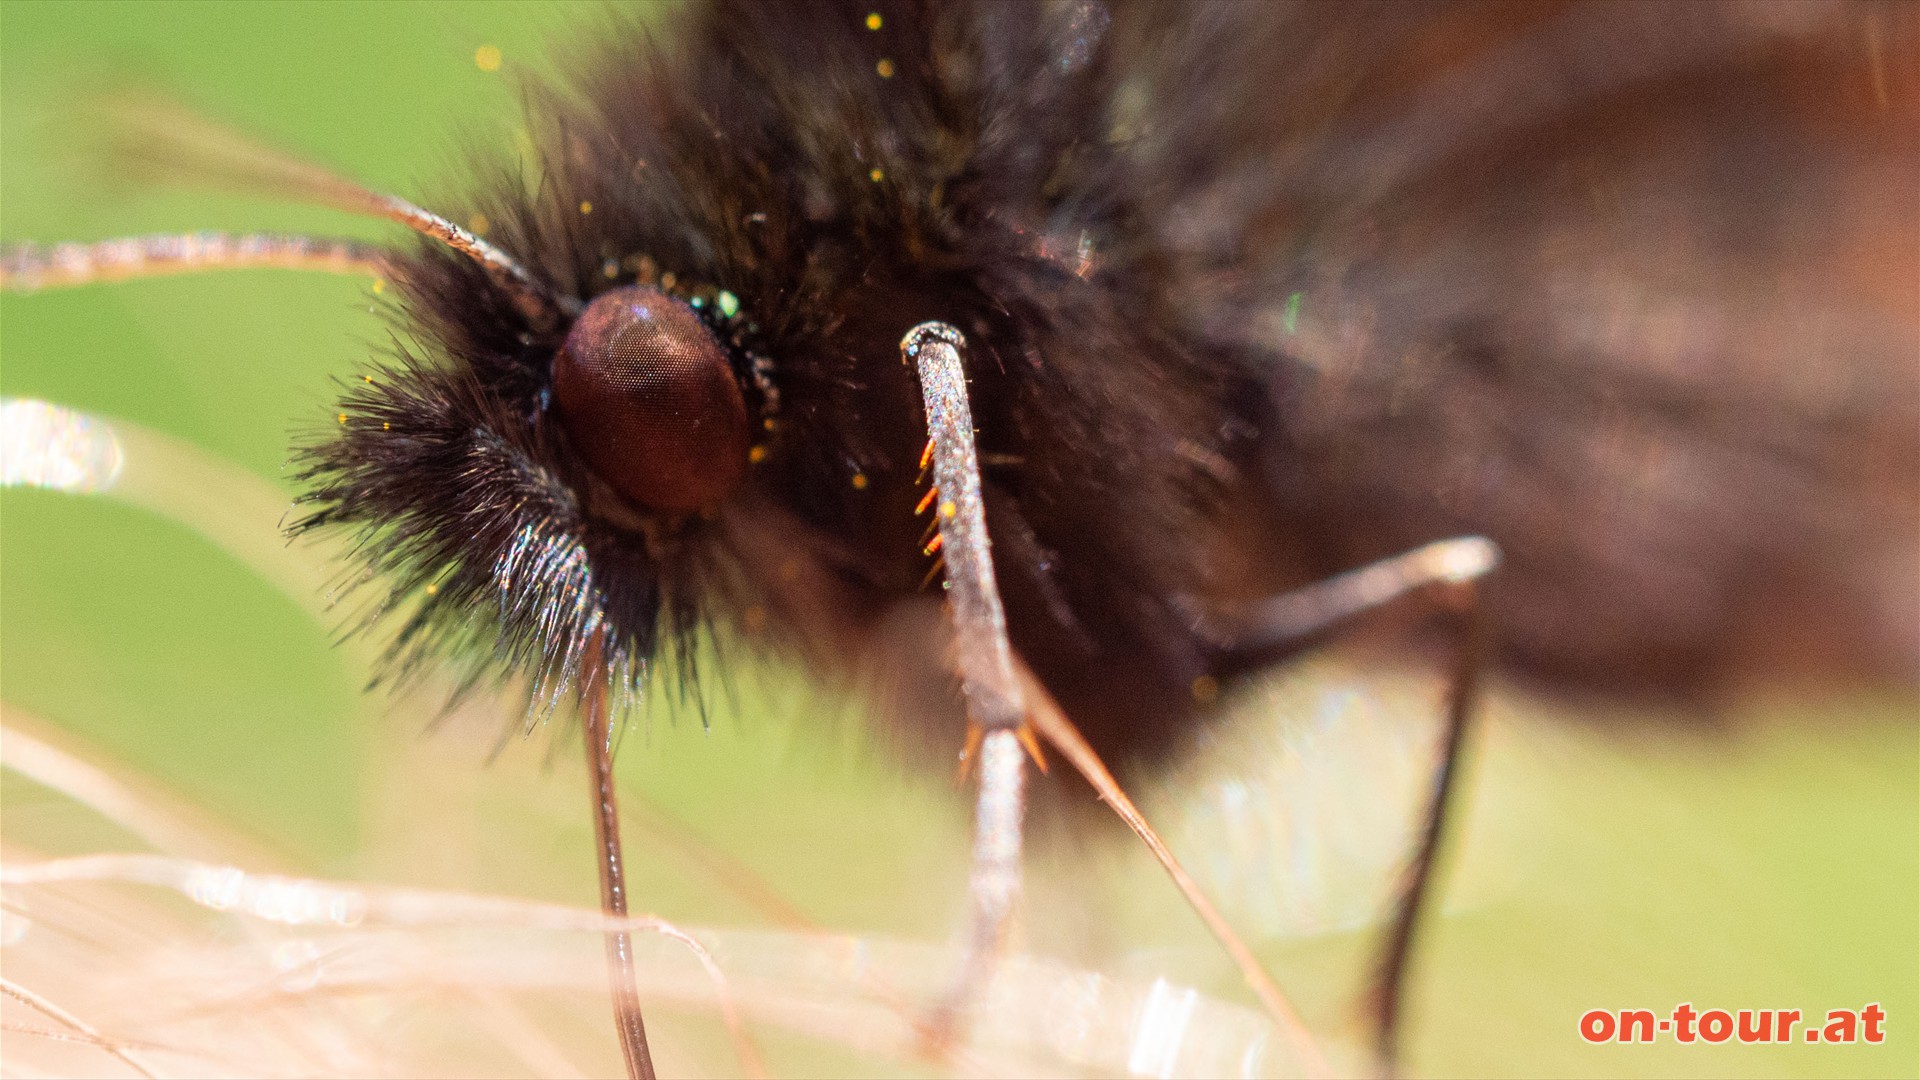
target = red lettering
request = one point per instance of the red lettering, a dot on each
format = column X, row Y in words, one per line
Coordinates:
column 1683, row 1022
column 1841, row 1026
column 1636, row 1025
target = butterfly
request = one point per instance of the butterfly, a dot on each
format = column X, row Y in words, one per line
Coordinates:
column 1243, row 299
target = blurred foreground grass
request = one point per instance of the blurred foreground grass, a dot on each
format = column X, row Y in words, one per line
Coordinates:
column 1615, row 862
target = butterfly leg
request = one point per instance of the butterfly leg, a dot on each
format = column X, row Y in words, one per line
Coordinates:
column 1446, row 572
column 597, row 732
column 1390, row 977
column 1003, row 699
column 996, row 710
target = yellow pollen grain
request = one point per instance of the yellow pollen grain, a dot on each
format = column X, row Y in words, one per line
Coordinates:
column 487, row 58
column 757, row 455
column 366, row 378
column 877, row 175
column 586, row 207
column 885, row 68
column 1206, row 689
column 873, row 21
column 859, row 481
column 948, row 509
column 432, row 589
column 343, row 418
column 379, row 286
column 478, row 224
column 384, row 426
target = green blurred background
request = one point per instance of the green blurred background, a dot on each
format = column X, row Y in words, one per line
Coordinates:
column 1769, row 860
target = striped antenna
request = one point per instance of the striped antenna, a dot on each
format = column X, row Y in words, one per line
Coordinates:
column 31, row 267
column 163, row 138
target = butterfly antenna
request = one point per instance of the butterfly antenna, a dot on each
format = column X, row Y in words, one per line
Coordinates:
column 160, row 137
column 31, row 267
column 597, row 732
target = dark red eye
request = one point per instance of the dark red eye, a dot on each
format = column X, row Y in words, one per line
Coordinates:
column 647, row 396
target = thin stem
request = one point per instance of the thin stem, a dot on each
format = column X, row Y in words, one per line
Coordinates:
column 47, row 1008
column 1066, row 738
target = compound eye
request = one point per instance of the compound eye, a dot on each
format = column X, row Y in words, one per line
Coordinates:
column 647, row 396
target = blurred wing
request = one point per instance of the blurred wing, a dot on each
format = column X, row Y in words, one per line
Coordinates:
column 1627, row 288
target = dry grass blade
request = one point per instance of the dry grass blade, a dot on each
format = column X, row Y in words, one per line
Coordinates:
column 271, row 974
column 1060, row 731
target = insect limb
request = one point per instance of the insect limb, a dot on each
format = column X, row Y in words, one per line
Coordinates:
column 1456, row 566
column 995, row 708
column 994, row 881
column 613, row 883
column 985, row 656
column 1390, row 978
column 30, row 267
column 1293, row 616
